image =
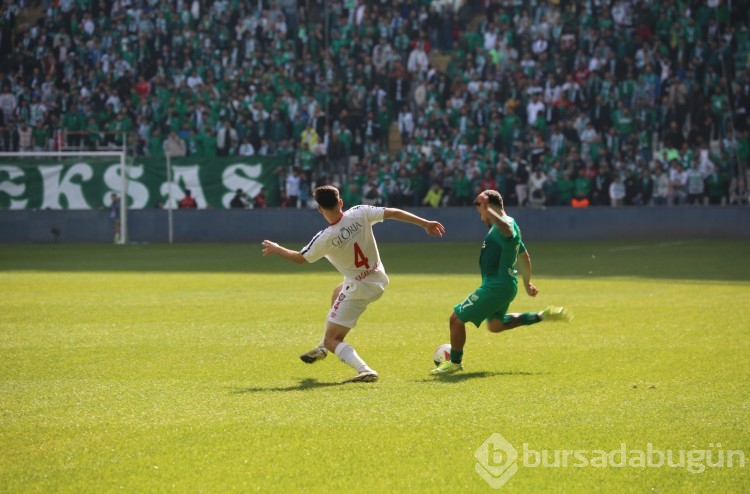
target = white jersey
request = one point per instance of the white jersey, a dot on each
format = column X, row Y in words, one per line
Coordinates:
column 350, row 246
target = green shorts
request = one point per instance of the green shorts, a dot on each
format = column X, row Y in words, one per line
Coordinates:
column 486, row 303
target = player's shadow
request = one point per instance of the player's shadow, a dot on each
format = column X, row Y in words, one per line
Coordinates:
column 465, row 376
column 304, row 385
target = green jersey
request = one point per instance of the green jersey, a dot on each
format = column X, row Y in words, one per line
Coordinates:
column 497, row 262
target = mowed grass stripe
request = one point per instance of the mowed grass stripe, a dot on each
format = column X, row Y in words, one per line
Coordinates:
column 119, row 374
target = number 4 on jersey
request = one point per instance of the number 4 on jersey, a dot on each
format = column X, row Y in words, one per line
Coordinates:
column 359, row 257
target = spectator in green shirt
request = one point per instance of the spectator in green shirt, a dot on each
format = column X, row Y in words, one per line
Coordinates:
column 565, row 188
column 461, row 189
column 154, row 147
column 41, row 135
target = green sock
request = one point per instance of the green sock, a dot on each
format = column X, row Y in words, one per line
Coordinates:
column 456, row 356
column 526, row 319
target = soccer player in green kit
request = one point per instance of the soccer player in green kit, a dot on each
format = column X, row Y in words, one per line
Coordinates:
column 503, row 255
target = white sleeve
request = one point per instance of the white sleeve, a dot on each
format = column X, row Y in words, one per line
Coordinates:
column 371, row 214
column 316, row 249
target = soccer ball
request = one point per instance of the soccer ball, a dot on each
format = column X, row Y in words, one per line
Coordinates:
column 442, row 354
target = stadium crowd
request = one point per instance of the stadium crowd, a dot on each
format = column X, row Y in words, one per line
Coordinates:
column 400, row 102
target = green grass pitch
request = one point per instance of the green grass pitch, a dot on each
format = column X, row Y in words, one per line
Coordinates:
column 157, row 368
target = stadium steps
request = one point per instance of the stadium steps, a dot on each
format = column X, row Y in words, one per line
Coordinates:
column 394, row 139
column 30, row 15
column 439, row 60
column 475, row 22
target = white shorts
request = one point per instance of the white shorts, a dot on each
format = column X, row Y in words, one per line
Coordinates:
column 346, row 311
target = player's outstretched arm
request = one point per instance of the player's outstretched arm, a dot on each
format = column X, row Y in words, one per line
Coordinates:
column 500, row 222
column 492, row 215
column 524, row 267
column 288, row 254
column 433, row 228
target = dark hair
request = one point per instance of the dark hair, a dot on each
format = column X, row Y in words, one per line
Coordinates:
column 494, row 198
column 327, row 196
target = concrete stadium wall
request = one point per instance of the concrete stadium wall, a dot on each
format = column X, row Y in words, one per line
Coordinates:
column 283, row 225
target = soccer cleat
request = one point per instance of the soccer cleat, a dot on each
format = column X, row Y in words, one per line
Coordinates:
column 317, row 353
column 556, row 314
column 363, row 377
column 446, row 368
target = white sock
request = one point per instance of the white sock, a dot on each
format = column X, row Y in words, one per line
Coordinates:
column 348, row 355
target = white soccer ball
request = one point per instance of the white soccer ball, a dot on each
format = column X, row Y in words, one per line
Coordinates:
column 442, row 354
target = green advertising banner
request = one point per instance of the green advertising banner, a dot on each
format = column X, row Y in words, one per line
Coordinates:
column 87, row 183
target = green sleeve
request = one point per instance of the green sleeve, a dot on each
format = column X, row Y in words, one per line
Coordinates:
column 517, row 233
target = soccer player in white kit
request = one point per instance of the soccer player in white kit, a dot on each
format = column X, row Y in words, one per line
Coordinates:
column 349, row 244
